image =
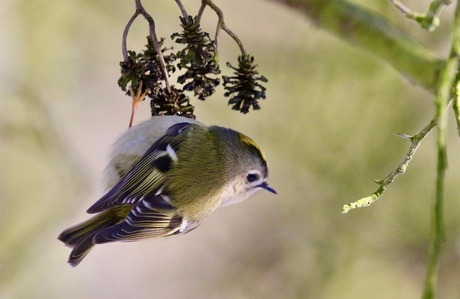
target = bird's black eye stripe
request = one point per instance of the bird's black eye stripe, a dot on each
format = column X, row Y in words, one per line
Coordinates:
column 252, row 177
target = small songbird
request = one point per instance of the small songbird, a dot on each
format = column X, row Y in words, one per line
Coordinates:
column 164, row 177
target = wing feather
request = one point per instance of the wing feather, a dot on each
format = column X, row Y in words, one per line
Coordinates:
column 151, row 217
column 146, row 176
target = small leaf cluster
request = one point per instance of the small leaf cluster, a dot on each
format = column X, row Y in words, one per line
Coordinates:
column 171, row 103
column 143, row 70
column 244, row 88
column 197, row 58
column 197, row 61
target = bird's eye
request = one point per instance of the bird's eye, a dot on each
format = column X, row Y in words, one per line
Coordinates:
column 252, row 177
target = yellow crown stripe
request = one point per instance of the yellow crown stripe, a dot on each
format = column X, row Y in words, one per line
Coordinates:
column 245, row 139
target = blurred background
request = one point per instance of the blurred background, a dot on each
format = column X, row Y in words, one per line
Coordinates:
column 328, row 129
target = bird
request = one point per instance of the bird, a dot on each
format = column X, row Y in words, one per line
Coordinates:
column 164, row 176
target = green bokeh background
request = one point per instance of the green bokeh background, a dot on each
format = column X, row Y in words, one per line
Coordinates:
column 328, row 129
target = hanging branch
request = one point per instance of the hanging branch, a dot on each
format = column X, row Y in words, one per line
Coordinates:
column 135, row 96
column 156, row 43
column 147, row 73
column 124, row 47
column 182, row 9
column 132, row 70
column 200, row 11
column 221, row 25
column 245, row 88
column 197, row 59
column 140, row 10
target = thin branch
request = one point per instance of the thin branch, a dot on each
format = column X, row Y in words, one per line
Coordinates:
column 447, row 79
column 156, row 43
column 456, row 50
column 428, row 20
column 221, row 25
column 400, row 169
column 182, row 8
column 124, row 48
column 200, row 12
column 456, row 106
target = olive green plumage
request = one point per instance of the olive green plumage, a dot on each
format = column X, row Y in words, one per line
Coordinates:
column 188, row 171
column 80, row 237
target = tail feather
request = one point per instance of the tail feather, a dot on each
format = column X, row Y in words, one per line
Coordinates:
column 80, row 237
column 79, row 252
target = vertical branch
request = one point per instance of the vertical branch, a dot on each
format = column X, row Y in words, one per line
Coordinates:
column 200, row 12
column 182, row 8
column 445, row 88
column 156, row 43
column 124, row 48
column 456, row 100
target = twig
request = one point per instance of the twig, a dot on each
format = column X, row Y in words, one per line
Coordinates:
column 156, row 43
column 200, row 12
column 456, row 105
column 428, row 20
column 124, row 48
column 221, row 25
column 182, row 9
column 456, row 87
column 139, row 95
column 400, row 169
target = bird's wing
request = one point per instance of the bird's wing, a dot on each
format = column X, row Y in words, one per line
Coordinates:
column 151, row 217
column 146, row 178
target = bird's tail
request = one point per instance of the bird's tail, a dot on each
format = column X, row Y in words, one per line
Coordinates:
column 80, row 237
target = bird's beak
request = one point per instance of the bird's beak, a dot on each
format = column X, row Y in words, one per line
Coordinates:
column 267, row 187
